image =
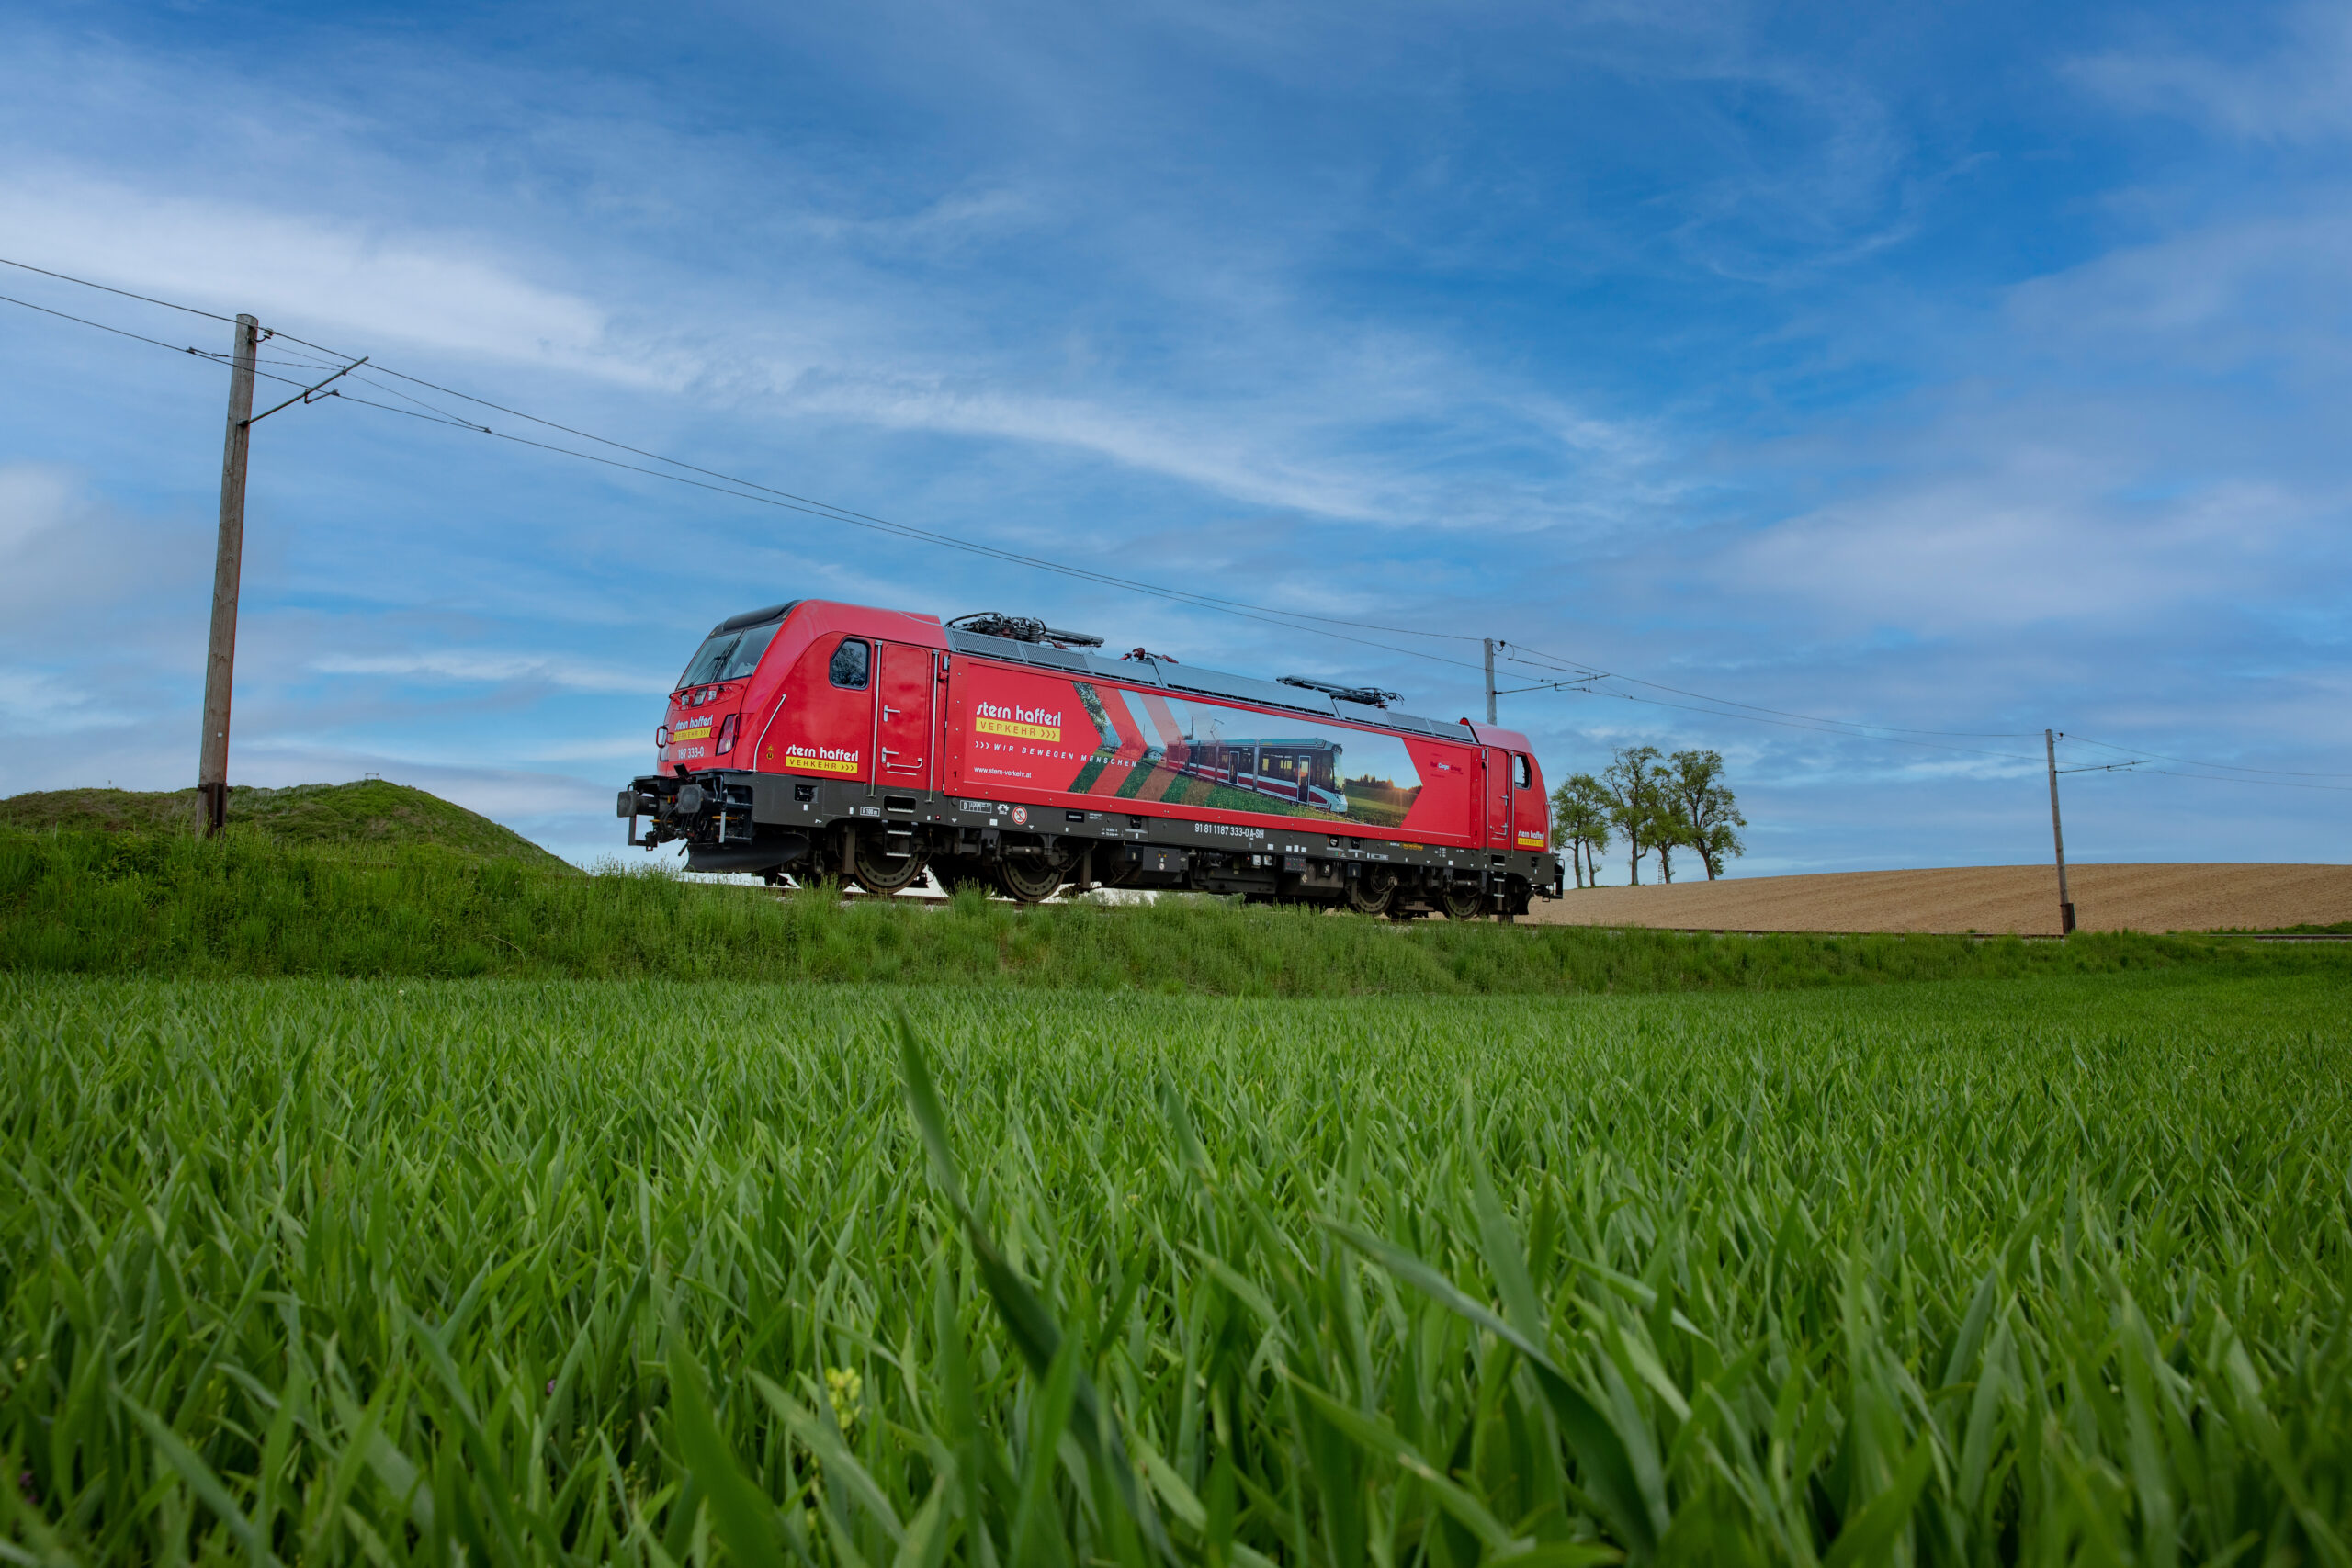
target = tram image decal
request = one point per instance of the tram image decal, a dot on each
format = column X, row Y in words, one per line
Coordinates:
column 1159, row 746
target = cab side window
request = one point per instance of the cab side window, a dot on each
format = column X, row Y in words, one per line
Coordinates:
column 853, row 664
column 1523, row 773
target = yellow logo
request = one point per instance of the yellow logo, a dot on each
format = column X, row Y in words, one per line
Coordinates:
column 1021, row 723
column 818, row 759
column 695, row 732
column 1530, row 841
column 1017, row 729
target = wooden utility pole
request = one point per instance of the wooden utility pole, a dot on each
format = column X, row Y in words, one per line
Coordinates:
column 2057, row 837
column 212, row 756
column 1490, row 680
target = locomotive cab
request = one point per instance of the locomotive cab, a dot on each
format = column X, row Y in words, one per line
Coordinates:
column 806, row 689
column 703, row 724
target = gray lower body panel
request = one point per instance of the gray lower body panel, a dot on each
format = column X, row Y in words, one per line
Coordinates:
column 764, row 822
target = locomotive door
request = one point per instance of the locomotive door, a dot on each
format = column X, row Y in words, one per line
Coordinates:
column 1530, row 813
column 1499, row 813
column 825, row 729
column 904, row 730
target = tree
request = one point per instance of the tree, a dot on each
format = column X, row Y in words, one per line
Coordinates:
column 1634, row 785
column 1580, row 825
column 1706, row 815
column 1669, row 831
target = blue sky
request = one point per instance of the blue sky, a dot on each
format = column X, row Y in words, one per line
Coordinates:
column 1964, row 371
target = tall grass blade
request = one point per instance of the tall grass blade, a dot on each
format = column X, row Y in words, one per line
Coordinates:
column 1025, row 1319
column 745, row 1519
column 190, row 1466
column 1609, row 1469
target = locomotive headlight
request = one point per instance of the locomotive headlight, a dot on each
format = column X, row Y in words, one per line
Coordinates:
column 661, row 735
column 727, row 734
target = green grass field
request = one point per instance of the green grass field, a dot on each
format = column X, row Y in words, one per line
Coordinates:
column 106, row 903
column 2044, row 1267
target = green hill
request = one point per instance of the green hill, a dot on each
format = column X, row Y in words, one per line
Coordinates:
column 369, row 815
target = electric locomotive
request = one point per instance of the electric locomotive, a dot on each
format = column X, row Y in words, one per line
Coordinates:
column 815, row 739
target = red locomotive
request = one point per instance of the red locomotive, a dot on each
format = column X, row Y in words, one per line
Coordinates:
column 817, row 739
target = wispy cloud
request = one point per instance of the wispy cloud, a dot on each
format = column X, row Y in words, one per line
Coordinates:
column 315, row 274
column 489, row 665
column 2294, row 85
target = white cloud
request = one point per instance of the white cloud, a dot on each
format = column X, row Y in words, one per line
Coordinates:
column 68, row 559
column 34, row 499
column 2030, row 544
column 2116, row 452
column 492, row 666
column 339, row 281
column 884, row 355
column 2301, row 91
column 2202, row 296
column 635, row 747
column 1172, row 442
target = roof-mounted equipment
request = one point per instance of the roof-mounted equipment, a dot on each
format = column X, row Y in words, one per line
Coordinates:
column 1022, row 628
column 1369, row 696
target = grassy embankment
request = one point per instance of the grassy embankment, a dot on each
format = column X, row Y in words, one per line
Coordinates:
column 371, row 817
column 2036, row 1270
column 102, row 903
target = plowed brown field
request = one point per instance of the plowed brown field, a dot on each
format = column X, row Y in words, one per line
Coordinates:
column 2020, row 898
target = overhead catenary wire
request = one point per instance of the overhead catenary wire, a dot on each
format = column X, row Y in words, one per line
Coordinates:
column 749, row 490
column 827, row 507
column 744, row 489
column 109, row 289
column 819, row 510
column 433, row 417
column 1788, row 724
column 1583, row 675
column 2199, row 763
column 204, row 354
column 2225, row 778
column 1591, row 671
column 830, row 509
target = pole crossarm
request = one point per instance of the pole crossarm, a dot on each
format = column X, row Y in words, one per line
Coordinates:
column 1583, row 684
column 307, row 393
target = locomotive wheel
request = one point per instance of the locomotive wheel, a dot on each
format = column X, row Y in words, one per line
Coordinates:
column 879, row 873
column 1367, row 896
column 1030, row 881
column 1466, row 905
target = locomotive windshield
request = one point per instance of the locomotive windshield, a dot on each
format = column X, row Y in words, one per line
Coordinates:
column 728, row 656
